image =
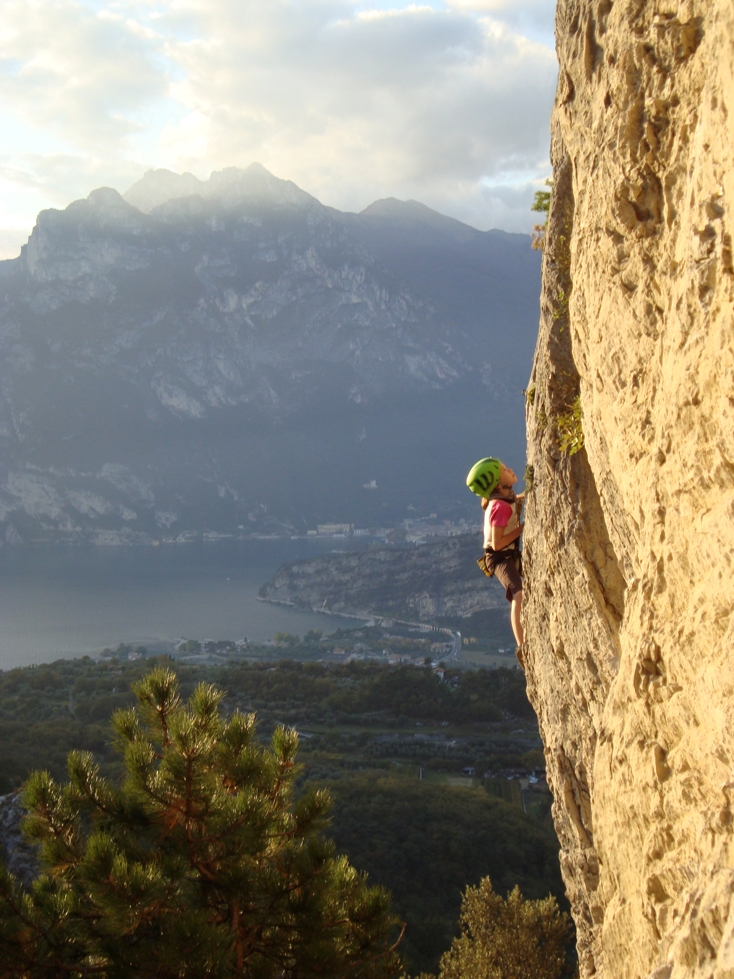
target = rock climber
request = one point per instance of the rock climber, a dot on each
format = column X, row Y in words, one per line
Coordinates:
column 493, row 482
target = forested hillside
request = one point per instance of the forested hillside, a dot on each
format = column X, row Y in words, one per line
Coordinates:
column 391, row 743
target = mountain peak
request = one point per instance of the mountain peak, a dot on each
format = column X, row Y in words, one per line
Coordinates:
column 413, row 216
column 158, row 187
column 106, row 197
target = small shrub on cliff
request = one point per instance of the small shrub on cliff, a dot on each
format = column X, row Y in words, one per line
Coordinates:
column 570, row 429
column 507, row 938
column 200, row 864
column 541, row 204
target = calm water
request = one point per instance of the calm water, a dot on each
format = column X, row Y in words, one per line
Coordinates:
column 67, row 601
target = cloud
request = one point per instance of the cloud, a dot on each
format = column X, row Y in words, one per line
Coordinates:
column 356, row 105
column 11, row 240
column 443, row 102
column 533, row 18
column 79, row 72
column 62, row 177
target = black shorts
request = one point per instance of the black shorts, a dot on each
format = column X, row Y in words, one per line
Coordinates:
column 507, row 571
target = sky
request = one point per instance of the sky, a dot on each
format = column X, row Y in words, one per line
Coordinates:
column 446, row 101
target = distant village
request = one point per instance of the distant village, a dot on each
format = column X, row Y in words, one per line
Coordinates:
column 402, row 645
column 418, row 530
column 392, row 643
column 411, row 531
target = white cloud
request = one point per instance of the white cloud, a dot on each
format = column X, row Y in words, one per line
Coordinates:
column 409, row 102
column 533, row 18
column 78, row 72
column 186, row 140
column 446, row 103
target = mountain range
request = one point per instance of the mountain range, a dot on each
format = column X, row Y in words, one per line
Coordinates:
column 232, row 356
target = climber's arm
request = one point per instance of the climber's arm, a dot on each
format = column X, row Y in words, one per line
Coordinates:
column 501, row 536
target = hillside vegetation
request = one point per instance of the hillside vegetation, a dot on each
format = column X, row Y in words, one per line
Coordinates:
column 390, row 743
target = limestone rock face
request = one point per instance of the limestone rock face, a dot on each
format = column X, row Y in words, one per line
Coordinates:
column 630, row 539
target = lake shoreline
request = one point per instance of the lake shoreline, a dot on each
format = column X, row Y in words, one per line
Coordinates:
column 73, row 600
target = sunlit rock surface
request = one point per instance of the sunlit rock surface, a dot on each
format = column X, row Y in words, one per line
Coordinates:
column 630, row 541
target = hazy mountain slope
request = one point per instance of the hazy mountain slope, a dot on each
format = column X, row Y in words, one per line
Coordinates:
column 428, row 582
column 244, row 354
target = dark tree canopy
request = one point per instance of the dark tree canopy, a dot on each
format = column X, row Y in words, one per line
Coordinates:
column 509, row 938
column 200, row 864
column 429, row 841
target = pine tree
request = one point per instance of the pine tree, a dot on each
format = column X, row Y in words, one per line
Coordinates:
column 200, row 863
column 507, row 938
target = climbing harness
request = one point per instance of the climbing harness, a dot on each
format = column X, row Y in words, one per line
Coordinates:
column 491, row 558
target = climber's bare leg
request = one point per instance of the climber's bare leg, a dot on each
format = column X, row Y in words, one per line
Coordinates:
column 515, row 618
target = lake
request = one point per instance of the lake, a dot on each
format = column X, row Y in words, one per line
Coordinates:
column 70, row 600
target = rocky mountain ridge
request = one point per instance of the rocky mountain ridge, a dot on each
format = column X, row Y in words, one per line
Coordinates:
column 426, row 583
column 234, row 356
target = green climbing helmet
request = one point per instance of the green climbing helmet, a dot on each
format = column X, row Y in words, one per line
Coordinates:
column 484, row 476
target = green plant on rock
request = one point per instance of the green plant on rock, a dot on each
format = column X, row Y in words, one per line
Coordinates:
column 200, row 864
column 541, row 199
column 507, row 938
column 541, row 204
column 561, row 308
column 570, row 429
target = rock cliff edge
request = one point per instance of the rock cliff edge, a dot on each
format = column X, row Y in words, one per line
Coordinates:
column 630, row 539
